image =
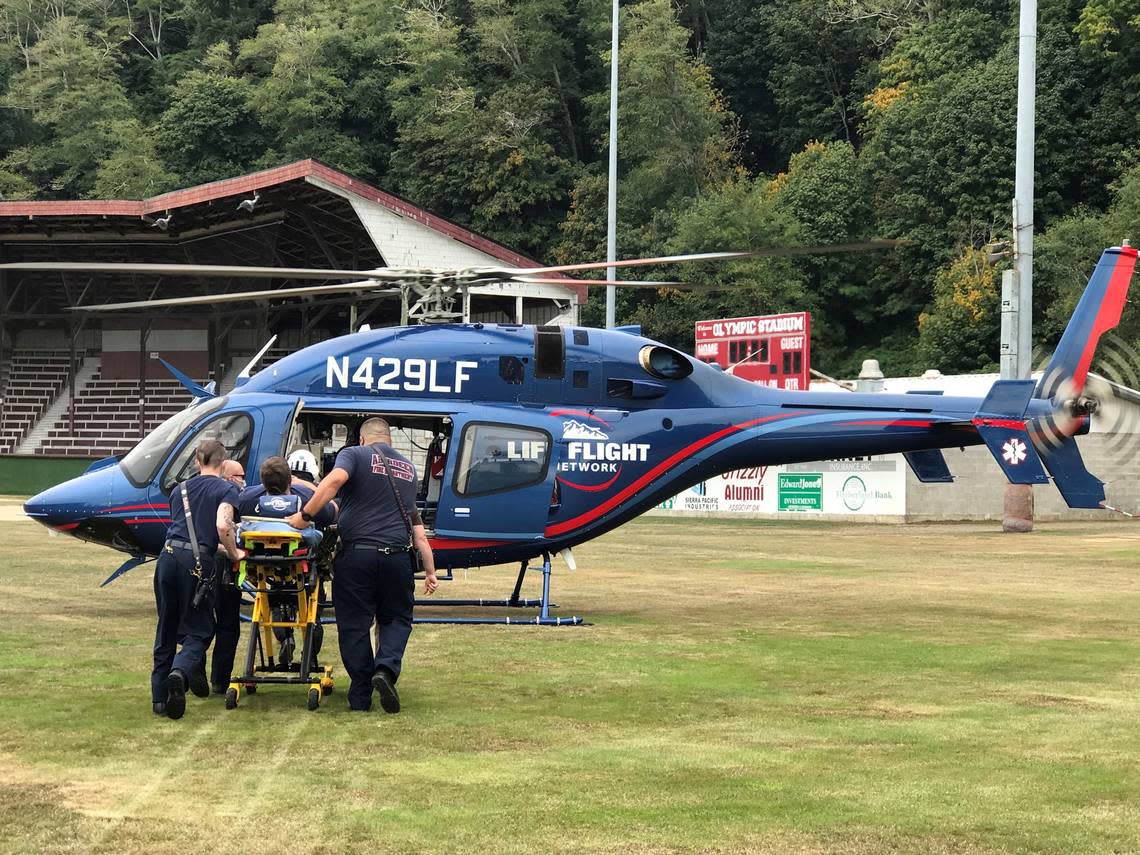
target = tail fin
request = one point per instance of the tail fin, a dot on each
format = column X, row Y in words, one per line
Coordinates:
column 1079, row 487
column 1000, row 422
column 1097, row 312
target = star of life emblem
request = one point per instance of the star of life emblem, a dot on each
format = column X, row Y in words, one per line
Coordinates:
column 1014, row 451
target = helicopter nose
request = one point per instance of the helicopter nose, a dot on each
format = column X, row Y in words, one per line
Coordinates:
column 64, row 506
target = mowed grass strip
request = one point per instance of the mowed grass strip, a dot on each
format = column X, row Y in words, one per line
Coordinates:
column 745, row 687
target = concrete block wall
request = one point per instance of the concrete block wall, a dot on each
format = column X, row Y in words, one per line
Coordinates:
column 978, row 490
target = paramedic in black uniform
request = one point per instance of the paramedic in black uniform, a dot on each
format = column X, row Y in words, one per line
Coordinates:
column 212, row 500
column 373, row 575
column 227, row 603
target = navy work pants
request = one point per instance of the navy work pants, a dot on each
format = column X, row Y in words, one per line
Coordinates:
column 227, row 629
column 370, row 585
column 174, row 586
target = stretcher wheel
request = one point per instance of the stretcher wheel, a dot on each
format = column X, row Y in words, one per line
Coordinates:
column 251, row 688
column 314, row 699
column 326, row 689
column 231, row 698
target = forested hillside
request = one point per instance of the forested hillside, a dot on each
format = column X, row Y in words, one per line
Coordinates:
column 742, row 124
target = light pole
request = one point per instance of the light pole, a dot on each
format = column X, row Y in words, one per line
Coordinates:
column 611, row 206
column 1017, row 515
column 1023, row 183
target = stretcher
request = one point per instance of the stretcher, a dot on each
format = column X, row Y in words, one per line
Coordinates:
column 286, row 578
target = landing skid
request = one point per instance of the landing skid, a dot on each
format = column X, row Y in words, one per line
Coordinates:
column 543, row 605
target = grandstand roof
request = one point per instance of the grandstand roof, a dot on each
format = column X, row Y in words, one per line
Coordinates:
column 307, row 214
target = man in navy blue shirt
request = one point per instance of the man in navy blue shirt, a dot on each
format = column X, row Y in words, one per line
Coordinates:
column 179, row 570
column 374, row 579
column 227, row 603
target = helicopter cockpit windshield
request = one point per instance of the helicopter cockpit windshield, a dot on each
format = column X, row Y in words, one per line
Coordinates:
column 141, row 463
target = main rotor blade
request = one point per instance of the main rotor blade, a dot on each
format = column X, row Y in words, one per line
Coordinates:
column 318, row 290
column 711, row 256
column 239, row 296
column 597, row 283
column 221, row 270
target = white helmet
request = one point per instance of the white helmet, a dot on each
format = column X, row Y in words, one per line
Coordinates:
column 303, row 464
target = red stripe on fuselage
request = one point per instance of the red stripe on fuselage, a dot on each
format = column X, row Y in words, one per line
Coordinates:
column 668, row 463
column 163, row 520
column 596, row 489
column 1012, row 424
column 137, row 508
column 1108, row 315
column 459, row 543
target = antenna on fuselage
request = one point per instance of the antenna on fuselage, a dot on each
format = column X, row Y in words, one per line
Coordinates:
column 246, row 372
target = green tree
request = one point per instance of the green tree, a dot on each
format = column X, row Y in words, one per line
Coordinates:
column 80, row 116
column 304, row 66
column 436, row 115
column 210, row 130
column 675, row 133
column 826, row 194
column 739, row 213
column 960, row 333
column 1065, row 254
column 208, row 22
column 676, row 140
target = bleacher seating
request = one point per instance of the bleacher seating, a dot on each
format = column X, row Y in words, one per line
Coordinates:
column 35, row 379
column 107, row 417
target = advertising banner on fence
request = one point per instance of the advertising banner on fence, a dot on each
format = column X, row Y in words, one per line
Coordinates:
column 868, row 486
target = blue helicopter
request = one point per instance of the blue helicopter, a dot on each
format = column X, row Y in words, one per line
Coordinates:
column 537, row 439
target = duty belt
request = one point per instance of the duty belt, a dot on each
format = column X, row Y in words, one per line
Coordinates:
column 383, row 550
column 184, row 544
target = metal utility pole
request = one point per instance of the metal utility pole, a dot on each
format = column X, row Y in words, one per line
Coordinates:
column 1017, row 289
column 1023, row 183
column 611, row 236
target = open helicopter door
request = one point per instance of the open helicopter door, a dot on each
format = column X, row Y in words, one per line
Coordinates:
column 499, row 479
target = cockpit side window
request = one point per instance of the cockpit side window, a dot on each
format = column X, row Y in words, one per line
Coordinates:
column 142, row 462
column 496, row 457
column 233, row 430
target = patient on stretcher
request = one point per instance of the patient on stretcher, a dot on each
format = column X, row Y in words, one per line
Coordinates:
column 269, row 514
column 264, row 507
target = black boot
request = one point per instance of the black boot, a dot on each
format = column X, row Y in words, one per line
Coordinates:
column 175, row 694
column 199, row 685
column 386, row 688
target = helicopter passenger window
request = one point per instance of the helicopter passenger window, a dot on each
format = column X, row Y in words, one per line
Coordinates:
column 500, row 457
column 232, row 430
column 142, row 461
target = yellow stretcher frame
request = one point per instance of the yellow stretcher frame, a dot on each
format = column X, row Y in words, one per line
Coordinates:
column 273, row 565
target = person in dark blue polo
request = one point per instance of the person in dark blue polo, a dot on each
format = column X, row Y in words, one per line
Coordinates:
column 227, row 603
column 211, row 500
column 374, row 578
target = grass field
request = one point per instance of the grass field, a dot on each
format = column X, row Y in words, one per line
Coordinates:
column 745, row 687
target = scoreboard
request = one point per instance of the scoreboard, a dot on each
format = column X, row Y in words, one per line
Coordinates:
column 774, row 350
